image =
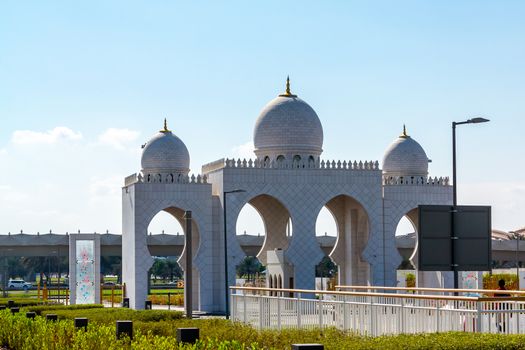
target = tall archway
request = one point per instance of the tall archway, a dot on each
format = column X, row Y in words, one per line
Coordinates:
column 274, row 240
column 166, row 268
column 161, row 221
column 275, row 220
column 352, row 236
column 406, row 240
column 326, row 235
column 250, row 235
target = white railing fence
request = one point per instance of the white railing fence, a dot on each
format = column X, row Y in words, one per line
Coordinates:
column 376, row 314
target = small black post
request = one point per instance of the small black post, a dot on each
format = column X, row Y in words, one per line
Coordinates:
column 169, row 300
column 31, row 315
column 3, row 307
column 125, row 328
column 125, row 302
column 15, row 310
column 147, row 305
column 187, row 335
column 81, row 322
column 51, row 317
column 188, row 276
column 307, row 347
column 10, row 303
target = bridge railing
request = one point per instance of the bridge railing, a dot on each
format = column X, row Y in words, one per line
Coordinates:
column 430, row 291
column 375, row 314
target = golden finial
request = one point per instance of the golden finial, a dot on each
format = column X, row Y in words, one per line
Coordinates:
column 404, row 134
column 288, row 93
column 165, row 126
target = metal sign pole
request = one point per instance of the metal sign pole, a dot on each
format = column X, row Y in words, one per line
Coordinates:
column 454, row 208
column 188, row 278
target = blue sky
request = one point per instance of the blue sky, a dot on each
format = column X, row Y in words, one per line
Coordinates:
column 83, row 85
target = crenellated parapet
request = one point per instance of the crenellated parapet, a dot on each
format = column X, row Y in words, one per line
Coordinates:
column 415, row 181
column 166, row 179
column 290, row 164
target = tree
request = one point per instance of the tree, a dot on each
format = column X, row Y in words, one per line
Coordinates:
column 249, row 267
column 37, row 264
column 111, row 265
column 326, row 268
column 166, row 268
column 159, row 268
column 174, row 269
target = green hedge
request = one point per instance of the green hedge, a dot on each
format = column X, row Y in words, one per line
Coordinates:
column 39, row 309
column 491, row 281
column 110, row 315
column 18, row 332
column 25, row 302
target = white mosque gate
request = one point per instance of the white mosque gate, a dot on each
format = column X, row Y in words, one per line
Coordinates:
column 286, row 182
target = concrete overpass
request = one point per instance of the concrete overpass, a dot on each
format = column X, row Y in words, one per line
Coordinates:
column 52, row 244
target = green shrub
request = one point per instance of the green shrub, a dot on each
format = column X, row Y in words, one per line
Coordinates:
column 410, row 280
column 174, row 299
column 491, row 281
column 110, row 315
column 18, row 332
column 25, row 302
column 43, row 308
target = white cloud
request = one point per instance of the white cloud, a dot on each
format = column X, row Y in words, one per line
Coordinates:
column 106, row 187
column 244, row 151
column 10, row 195
column 118, row 138
column 60, row 133
column 3, row 151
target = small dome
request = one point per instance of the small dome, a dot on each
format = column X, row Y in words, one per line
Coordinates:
column 405, row 157
column 165, row 153
column 288, row 126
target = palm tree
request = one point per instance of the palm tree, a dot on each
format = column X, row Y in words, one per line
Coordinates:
column 37, row 264
column 174, row 269
column 249, row 267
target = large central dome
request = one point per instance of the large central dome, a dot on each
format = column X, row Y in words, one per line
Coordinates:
column 288, row 127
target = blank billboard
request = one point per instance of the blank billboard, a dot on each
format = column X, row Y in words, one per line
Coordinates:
column 454, row 238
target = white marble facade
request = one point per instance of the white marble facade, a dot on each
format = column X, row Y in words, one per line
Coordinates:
column 287, row 181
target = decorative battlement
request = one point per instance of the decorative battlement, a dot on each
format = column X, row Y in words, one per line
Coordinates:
column 216, row 165
column 129, row 180
column 290, row 164
column 415, row 181
column 166, row 178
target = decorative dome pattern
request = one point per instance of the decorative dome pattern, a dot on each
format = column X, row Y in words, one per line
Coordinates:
column 288, row 126
column 165, row 153
column 405, row 157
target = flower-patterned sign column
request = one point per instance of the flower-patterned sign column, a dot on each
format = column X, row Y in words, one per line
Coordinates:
column 85, row 262
column 84, row 268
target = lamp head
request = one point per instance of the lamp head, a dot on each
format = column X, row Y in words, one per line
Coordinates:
column 478, row 120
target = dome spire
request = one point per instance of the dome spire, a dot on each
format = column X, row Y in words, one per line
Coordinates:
column 404, row 135
column 288, row 93
column 165, row 126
